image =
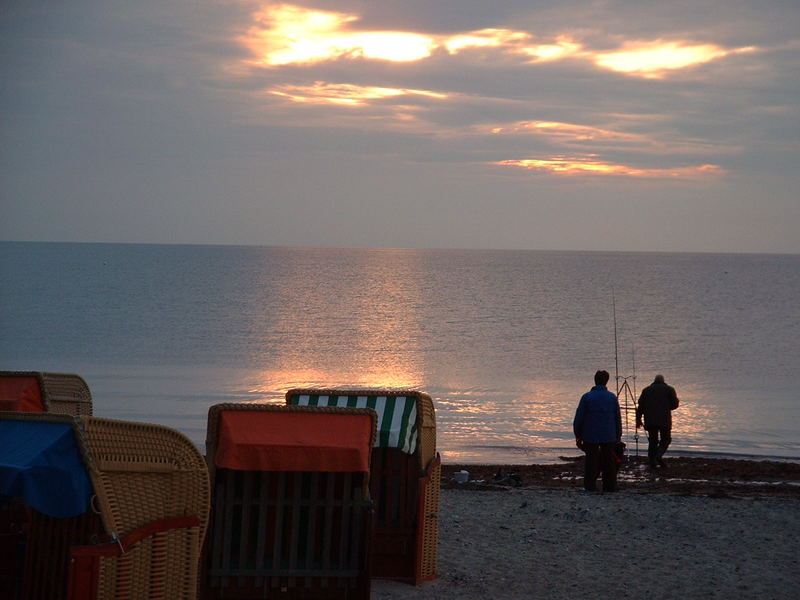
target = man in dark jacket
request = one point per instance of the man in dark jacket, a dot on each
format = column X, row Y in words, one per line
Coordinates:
column 656, row 403
column 598, row 427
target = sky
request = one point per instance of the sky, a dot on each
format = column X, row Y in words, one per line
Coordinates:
column 630, row 125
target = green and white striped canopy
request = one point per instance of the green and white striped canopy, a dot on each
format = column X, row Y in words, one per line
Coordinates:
column 397, row 416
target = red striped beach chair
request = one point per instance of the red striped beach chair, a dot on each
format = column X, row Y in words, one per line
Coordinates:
column 291, row 517
column 404, row 480
column 118, row 509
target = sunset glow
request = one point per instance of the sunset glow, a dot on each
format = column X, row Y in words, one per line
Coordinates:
column 653, row 59
column 563, row 165
column 484, row 38
column 568, row 132
column 345, row 94
column 563, row 47
column 286, row 34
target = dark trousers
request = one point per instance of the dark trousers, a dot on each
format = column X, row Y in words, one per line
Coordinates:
column 658, row 440
column 600, row 459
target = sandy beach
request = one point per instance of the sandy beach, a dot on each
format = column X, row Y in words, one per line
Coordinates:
column 676, row 535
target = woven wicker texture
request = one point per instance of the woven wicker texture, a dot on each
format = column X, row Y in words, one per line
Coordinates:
column 430, row 525
column 156, row 568
column 141, row 473
column 62, row 393
column 410, row 529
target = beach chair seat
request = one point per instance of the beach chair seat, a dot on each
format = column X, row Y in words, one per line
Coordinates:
column 291, row 516
column 35, row 391
column 117, row 509
column 404, row 477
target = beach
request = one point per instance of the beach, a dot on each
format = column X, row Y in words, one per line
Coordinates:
column 677, row 535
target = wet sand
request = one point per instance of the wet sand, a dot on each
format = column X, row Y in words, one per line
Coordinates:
column 703, row 528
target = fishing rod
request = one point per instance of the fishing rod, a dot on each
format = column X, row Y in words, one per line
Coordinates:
column 630, row 394
column 616, row 347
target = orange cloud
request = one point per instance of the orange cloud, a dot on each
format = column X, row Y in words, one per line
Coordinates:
column 484, row 38
column 285, row 34
column 589, row 165
column 654, row 59
column 580, row 137
column 562, row 48
column 568, row 131
column 345, row 94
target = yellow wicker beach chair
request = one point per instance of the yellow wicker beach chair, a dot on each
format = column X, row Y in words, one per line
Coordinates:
column 117, row 509
column 291, row 514
column 35, row 391
column 404, row 480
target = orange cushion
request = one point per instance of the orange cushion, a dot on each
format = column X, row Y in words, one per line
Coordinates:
column 20, row 394
column 293, row 441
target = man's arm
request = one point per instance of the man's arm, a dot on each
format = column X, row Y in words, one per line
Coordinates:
column 640, row 410
column 577, row 422
column 673, row 400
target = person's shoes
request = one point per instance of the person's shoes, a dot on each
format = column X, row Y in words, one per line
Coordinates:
column 662, row 463
column 653, row 464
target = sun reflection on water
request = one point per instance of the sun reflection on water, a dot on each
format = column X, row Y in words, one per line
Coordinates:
column 376, row 307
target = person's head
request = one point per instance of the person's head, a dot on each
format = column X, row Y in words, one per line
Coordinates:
column 601, row 378
column 659, row 379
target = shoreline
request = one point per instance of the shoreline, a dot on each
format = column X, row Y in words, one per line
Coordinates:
column 684, row 475
column 704, row 528
column 514, row 456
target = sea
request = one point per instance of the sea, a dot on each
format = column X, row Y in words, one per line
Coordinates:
column 505, row 342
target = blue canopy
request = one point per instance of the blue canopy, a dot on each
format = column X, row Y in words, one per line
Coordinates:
column 40, row 462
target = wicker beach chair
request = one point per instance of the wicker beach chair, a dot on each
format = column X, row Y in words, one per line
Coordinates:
column 35, row 391
column 291, row 514
column 404, row 480
column 118, row 509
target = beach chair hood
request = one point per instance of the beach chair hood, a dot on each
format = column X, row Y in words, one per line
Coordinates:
column 41, row 463
column 294, row 440
column 20, row 393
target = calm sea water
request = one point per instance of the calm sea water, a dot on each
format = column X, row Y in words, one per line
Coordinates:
column 504, row 341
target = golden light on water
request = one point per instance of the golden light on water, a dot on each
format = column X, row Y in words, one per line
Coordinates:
column 345, row 94
column 563, row 165
column 381, row 313
column 271, row 385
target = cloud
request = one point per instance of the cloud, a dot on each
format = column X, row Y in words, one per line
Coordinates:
column 590, row 165
column 252, row 115
column 286, row 34
column 345, row 94
column 655, row 59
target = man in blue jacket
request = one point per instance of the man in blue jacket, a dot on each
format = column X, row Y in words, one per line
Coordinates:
column 598, row 428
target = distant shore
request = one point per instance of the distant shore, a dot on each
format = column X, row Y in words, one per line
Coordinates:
column 702, row 528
